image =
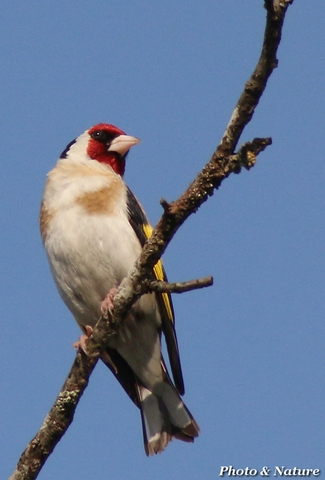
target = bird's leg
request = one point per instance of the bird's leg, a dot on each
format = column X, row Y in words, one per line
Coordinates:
column 107, row 303
column 82, row 342
column 106, row 306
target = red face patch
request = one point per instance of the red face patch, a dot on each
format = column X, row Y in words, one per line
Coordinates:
column 108, row 128
column 101, row 136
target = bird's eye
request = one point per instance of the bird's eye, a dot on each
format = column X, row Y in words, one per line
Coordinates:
column 102, row 136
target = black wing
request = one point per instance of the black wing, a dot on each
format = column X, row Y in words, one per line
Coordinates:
column 140, row 224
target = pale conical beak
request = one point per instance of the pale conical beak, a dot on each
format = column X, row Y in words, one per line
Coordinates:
column 123, row 143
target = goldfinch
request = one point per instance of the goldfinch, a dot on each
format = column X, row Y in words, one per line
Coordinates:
column 93, row 229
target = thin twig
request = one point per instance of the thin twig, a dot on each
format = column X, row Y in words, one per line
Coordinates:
column 177, row 287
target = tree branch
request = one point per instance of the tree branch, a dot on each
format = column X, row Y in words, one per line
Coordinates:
column 57, row 420
column 178, row 287
column 224, row 161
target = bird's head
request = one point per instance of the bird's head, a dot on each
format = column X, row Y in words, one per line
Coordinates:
column 103, row 142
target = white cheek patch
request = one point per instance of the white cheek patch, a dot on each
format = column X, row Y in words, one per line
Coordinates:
column 78, row 150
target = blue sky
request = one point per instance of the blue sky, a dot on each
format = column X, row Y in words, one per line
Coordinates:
column 252, row 346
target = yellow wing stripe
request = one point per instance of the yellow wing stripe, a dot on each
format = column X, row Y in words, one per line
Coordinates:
column 159, row 274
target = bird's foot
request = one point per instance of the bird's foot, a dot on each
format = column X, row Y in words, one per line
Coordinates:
column 107, row 303
column 82, row 342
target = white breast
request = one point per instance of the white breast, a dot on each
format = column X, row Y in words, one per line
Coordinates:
column 88, row 239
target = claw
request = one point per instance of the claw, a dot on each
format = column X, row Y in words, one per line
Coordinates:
column 82, row 342
column 107, row 303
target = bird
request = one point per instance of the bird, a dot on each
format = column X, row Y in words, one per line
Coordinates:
column 93, row 229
